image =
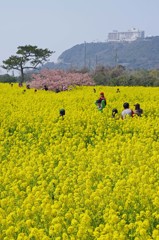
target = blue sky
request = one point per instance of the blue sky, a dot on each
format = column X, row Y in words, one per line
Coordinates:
column 60, row 24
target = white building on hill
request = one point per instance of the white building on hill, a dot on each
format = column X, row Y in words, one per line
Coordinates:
column 131, row 35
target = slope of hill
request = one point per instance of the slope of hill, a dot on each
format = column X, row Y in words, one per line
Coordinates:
column 139, row 54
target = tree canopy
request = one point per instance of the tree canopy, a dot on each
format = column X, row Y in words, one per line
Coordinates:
column 28, row 57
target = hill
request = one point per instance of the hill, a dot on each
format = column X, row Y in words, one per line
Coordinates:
column 139, row 54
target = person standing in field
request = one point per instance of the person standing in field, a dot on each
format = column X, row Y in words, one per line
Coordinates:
column 127, row 111
column 117, row 91
column 101, row 102
column 94, row 90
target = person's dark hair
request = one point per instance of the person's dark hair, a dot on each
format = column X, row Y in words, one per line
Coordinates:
column 62, row 112
column 137, row 106
column 126, row 105
column 114, row 112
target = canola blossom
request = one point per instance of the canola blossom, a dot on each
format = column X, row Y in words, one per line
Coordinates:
column 84, row 176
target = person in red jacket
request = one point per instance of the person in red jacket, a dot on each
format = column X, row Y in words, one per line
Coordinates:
column 101, row 102
column 102, row 97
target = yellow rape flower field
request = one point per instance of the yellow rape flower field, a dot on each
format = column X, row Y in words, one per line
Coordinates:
column 87, row 176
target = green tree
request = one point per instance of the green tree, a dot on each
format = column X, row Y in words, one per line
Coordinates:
column 6, row 78
column 28, row 57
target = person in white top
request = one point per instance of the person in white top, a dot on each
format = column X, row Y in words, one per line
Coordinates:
column 127, row 111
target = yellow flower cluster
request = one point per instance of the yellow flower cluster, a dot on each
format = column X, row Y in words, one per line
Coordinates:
column 87, row 176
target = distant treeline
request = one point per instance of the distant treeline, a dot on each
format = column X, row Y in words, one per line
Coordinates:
column 108, row 76
column 120, row 76
column 6, row 78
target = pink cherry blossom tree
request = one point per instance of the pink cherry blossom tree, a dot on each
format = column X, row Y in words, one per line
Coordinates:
column 60, row 80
